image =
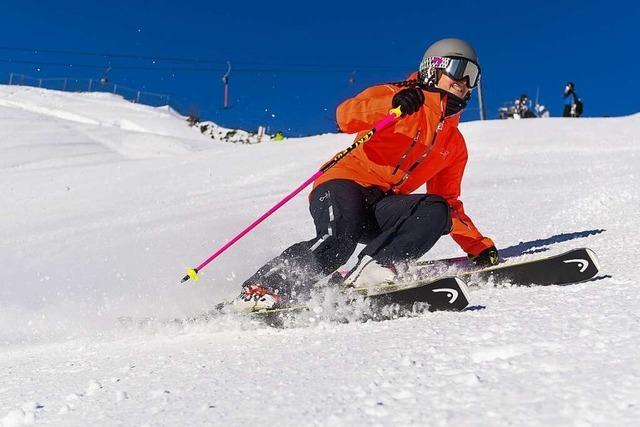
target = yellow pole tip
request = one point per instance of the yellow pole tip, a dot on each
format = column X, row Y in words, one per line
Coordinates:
column 193, row 274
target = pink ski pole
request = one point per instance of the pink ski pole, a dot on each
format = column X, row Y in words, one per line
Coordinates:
column 192, row 273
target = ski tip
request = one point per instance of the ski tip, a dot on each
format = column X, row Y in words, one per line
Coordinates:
column 594, row 258
column 464, row 289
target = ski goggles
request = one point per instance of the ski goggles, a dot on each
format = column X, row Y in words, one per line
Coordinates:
column 457, row 68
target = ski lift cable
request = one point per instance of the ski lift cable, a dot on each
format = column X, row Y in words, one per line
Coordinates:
column 198, row 69
column 347, row 67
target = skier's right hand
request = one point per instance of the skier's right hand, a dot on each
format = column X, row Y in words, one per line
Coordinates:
column 409, row 100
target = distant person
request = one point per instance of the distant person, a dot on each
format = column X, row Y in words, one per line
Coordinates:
column 522, row 107
column 370, row 195
column 572, row 104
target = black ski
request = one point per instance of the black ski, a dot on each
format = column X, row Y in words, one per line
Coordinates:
column 574, row 266
column 445, row 293
column 442, row 294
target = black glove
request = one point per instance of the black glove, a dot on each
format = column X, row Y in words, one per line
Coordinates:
column 409, row 100
column 486, row 258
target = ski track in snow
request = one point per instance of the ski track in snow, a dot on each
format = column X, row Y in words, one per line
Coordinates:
column 106, row 202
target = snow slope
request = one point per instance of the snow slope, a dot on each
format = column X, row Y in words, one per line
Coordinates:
column 105, row 203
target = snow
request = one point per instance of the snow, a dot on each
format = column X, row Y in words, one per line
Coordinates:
column 105, row 203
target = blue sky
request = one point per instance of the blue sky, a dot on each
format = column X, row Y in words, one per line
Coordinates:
column 294, row 62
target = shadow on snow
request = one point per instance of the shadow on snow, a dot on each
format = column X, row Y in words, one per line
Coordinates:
column 541, row 245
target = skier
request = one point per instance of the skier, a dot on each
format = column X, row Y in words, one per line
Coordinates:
column 522, row 107
column 572, row 104
column 367, row 196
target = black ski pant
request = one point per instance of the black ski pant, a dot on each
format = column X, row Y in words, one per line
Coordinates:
column 393, row 227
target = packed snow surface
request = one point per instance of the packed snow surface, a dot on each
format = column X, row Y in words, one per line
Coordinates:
column 105, row 203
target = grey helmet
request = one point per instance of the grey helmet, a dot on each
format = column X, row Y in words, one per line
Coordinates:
column 435, row 58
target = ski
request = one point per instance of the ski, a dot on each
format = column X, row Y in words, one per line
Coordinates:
column 516, row 271
column 441, row 294
column 574, row 266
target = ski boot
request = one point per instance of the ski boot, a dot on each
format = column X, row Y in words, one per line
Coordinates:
column 256, row 297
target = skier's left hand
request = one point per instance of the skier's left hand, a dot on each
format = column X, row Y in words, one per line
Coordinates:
column 486, row 258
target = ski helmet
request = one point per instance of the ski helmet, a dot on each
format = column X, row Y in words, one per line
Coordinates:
column 455, row 57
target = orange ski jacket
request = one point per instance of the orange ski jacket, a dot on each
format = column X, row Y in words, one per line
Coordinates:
column 423, row 148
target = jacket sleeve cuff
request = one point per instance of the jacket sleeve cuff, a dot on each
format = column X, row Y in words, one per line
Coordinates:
column 478, row 246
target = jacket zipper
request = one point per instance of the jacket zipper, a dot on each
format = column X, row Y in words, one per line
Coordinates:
column 421, row 158
column 404, row 156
